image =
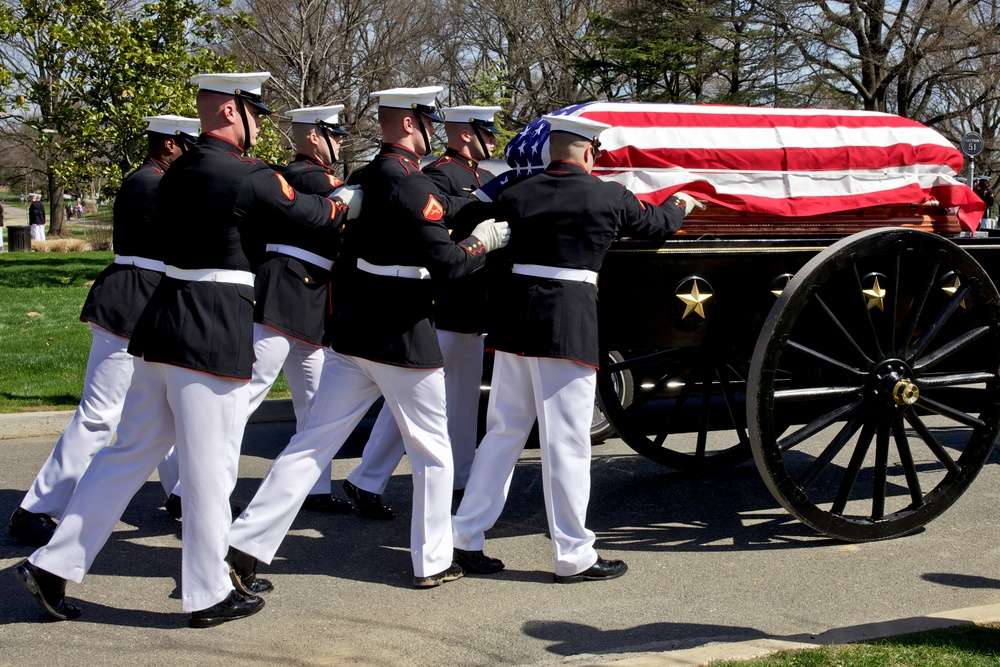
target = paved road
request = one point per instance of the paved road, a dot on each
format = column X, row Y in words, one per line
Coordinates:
column 713, row 560
column 15, row 215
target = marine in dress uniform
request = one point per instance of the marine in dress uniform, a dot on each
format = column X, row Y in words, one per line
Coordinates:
column 459, row 316
column 196, row 342
column 383, row 342
column 112, row 309
column 291, row 286
column 545, row 336
column 36, row 217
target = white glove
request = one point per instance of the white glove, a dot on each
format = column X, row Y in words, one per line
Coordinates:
column 690, row 203
column 350, row 196
column 494, row 235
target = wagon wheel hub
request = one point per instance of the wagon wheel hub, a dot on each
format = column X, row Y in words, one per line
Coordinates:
column 905, row 393
column 891, row 385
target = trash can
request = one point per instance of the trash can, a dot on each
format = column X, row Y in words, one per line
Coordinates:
column 19, row 238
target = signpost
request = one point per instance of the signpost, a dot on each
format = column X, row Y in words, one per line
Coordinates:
column 972, row 145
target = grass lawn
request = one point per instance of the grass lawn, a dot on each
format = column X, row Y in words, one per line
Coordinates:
column 963, row 646
column 43, row 344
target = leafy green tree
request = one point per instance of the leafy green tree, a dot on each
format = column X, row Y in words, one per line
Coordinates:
column 82, row 74
column 646, row 52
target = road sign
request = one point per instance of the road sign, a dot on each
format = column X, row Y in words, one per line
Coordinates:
column 972, row 144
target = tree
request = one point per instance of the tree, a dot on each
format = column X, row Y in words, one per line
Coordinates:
column 137, row 63
column 83, row 73
column 873, row 53
column 957, row 105
column 646, row 52
column 533, row 42
column 714, row 51
column 336, row 52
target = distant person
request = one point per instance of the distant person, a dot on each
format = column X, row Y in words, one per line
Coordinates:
column 36, row 217
column 1, row 227
column 69, row 211
column 79, row 209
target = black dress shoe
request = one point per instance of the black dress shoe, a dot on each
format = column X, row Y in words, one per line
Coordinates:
column 234, row 607
column 451, row 574
column 48, row 590
column 325, row 502
column 30, row 528
column 243, row 572
column 476, row 562
column 602, row 569
column 173, row 506
column 370, row 505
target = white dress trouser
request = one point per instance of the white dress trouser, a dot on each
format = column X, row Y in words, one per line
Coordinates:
column 37, row 232
column 109, row 373
column 274, row 352
column 204, row 415
column 348, row 388
column 560, row 393
column 463, row 375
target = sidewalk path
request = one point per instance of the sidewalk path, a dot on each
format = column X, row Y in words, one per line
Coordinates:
column 717, row 570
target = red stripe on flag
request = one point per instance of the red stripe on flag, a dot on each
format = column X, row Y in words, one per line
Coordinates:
column 947, row 196
column 781, row 159
column 764, row 119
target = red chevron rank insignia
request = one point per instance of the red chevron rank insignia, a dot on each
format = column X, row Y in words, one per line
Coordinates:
column 433, row 210
column 286, row 189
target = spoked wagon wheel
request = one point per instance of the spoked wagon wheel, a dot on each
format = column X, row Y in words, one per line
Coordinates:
column 680, row 395
column 883, row 351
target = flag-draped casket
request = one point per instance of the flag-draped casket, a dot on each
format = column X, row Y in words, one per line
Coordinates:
column 766, row 170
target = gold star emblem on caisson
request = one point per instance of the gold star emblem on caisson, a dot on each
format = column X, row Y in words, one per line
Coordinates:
column 779, row 284
column 952, row 288
column 694, row 300
column 875, row 295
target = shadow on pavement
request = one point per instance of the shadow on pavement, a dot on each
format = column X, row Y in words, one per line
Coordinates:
column 579, row 638
column 960, row 580
column 636, row 505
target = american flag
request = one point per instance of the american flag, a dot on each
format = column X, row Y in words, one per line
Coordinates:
column 772, row 162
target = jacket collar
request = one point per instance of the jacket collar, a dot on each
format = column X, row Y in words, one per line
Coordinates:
column 219, row 142
column 566, row 166
column 299, row 157
column 396, row 149
column 465, row 160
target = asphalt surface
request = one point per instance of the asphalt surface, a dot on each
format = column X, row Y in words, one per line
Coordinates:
column 717, row 570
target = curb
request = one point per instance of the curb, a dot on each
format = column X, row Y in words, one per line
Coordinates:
column 756, row 648
column 32, row 424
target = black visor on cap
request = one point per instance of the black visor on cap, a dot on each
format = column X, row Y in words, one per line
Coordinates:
column 429, row 111
column 487, row 125
column 254, row 100
column 332, row 127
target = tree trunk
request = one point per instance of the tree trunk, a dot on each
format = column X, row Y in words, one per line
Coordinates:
column 56, row 208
